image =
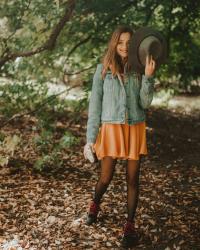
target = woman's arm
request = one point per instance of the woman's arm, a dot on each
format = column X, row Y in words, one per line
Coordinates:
column 147, row 88
column 146, row 91
column 95, row 106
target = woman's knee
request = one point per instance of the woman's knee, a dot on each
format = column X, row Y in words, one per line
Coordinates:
column 109, row 160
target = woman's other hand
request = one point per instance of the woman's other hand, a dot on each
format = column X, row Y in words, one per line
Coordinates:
column 149, row 66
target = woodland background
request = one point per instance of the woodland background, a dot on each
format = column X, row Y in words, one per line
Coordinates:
column 48, row 54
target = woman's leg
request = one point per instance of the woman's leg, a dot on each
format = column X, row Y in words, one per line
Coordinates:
column 107, row 171
column 132, row 178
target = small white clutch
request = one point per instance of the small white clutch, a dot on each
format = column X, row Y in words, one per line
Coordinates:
column 89, row 154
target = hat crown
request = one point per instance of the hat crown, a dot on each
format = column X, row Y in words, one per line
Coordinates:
column 150, row 45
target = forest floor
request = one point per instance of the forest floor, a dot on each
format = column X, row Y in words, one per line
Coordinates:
column 47, row 210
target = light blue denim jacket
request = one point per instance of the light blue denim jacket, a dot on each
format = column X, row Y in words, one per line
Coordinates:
column 111, row 100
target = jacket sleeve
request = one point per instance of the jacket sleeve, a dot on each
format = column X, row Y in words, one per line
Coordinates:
column 95, row 106
column 146, row 91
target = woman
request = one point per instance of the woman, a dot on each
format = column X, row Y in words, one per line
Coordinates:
column 118, row 101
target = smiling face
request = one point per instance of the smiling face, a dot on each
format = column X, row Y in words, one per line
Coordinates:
column 123, row 44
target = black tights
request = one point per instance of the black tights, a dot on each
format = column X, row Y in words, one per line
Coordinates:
column 132, row 178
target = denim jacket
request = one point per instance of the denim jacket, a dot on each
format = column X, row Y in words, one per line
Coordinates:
column 113, row 101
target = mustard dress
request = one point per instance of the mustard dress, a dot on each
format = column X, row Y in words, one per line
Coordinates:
column 122, row 141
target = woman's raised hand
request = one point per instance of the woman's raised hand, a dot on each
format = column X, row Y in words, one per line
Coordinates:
column 149, row 66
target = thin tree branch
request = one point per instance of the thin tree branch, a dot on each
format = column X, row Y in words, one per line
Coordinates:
column 169, row 26
column 150, row 9
column 50, row 43
column 49, row 99
column 85, row 40
column 79, row 72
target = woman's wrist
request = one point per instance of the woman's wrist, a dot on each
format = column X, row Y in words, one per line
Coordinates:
column 148, row 76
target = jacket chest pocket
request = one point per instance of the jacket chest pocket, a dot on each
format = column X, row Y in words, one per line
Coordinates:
column 135, row 86
column 108, row 96
column 108, row 84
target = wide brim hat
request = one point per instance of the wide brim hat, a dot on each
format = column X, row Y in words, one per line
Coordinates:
column 146, row 40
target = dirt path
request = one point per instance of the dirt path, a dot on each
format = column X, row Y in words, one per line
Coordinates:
column 48, row 211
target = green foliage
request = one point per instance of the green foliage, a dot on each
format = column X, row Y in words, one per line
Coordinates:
column 32, row 97
column 2, row 136
column 27, row 25
column 50, row 150
column 24, row 97
column 20, row 97
column 48, row 161
column 43, row 141
column 67, row 141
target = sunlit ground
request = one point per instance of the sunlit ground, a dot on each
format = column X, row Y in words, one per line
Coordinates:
column 182, row 103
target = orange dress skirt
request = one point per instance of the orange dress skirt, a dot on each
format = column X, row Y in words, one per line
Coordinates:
column 121, row 141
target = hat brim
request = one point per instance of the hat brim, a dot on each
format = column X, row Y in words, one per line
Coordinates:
column 133, row 56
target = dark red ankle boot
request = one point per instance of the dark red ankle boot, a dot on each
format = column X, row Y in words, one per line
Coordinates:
column 130, row 237
column 93, row 212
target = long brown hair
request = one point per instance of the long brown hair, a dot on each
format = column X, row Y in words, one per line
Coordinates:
column 111, row 60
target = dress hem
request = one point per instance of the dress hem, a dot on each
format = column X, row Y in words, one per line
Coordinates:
column 122, row 157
